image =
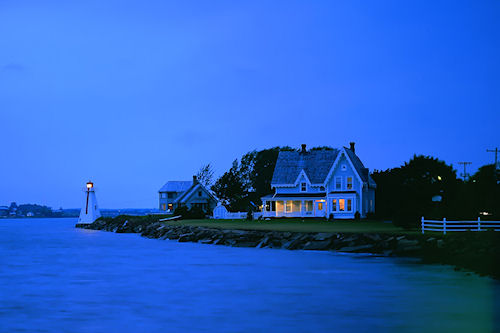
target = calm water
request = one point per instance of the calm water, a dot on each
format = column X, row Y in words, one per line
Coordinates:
column 55, row 278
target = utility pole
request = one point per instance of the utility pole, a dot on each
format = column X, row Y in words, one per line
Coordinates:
column 497, row 167
column 465, row 174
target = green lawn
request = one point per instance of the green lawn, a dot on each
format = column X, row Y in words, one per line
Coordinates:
column 298, row 225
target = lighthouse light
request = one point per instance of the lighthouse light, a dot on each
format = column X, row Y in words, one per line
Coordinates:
column 90, row 185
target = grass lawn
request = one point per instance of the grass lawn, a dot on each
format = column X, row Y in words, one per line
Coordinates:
column 298, row 225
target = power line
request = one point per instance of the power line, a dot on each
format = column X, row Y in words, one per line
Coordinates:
column 465, row 174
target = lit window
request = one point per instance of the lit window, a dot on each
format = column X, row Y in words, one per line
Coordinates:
column 342, row 205
column 268, row 206
column 170, row 206
column 349, row 205
column 296, row 206
column 349, row 183
column 303, row 187
column 320, row 206
column 288, row 206
column 334, row 205
column 279, row 206
column 338, row 183
column 163, row 207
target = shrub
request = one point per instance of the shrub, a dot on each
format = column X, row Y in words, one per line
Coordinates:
column 370, row 216
column 357, row 216
column 330, row 217
column 196, row 213
column 249, row 215
column 182, row 211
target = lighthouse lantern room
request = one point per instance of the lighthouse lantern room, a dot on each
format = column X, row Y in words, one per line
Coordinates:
column 90, row 211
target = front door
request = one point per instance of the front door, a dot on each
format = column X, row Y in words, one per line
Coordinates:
column 320, row 208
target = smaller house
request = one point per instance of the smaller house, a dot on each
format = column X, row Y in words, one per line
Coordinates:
column 171, row 191
column 4, row 211
column 178, row 194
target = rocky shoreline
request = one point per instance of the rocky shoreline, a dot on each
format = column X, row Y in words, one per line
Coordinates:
column 477, row 251
column 382, row 244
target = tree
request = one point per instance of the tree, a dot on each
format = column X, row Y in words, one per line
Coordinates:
column 230, row 188
column 424, row 186
column 205, row 175
column 484, row 191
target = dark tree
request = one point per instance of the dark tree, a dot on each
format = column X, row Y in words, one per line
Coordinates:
column 424, row 186
column 206, row 175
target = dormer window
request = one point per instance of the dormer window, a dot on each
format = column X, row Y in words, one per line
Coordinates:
column 199, row 193
column 303, row 187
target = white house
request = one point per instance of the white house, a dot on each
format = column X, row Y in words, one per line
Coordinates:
column 319, row 183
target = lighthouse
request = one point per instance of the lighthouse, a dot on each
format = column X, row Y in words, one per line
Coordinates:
column 90, row 212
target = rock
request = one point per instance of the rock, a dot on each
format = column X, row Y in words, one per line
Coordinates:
column 294, row 244
column 409, row 249
column 322, row 236
column 358, row 248
column 189, row 237
column 206, row 241
column 406, row 243
column 440, row 243
column 317, row 245
column 400, row 238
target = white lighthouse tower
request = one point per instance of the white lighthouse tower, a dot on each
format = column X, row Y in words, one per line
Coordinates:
column 90, row 211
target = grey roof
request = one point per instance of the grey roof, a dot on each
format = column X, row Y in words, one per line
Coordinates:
column 176, row 186
column 316, row 164
column 360, row 168
column 184, row 196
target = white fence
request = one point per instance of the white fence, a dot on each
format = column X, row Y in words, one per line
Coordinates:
column 446, row 226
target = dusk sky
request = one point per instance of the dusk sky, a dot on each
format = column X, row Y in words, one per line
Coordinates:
column 131, row 94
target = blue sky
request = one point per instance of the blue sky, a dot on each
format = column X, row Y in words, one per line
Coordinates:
column 131, row 94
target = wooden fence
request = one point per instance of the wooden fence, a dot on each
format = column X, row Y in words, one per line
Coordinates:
column 447, row 226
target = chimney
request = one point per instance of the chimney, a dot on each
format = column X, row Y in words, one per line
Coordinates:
column 303, row 148
column 195, row 180
column 352, row 146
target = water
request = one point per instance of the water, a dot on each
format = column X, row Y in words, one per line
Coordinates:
column 55, row 278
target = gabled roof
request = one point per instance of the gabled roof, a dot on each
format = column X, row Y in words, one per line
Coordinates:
column 316, row 164
column 194, row 187
column 360, row 168
column 176, row 186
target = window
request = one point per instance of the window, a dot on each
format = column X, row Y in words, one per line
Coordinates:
column 268, row 206
column 296, row 206
column 163, row 207
column 303, row 187
column 320, row 206
column 199, row 193
column 170, row 206
column 288, row 206
column 171, row 195
column 341, row 205
column 349, row 205
column 309, row 205
column 273, row 206
column 279, row 206
column 163, row 195
column 334, row 205
column 338, row 183
column 321, row 188
column 344, row 167
column 349, row 183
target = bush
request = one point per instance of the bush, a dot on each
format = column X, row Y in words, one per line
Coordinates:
column 182, row 211
column 196, row 213
column 249, row 215
column 357, row 216
column 330, row 217
column 370, row 216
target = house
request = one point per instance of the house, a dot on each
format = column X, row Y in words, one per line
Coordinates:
column 188, row 194
column 4, row 211
column 171, row 191
column 320, row 183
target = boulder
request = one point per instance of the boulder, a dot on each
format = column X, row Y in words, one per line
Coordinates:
column 359, row 248
column 317, row 245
